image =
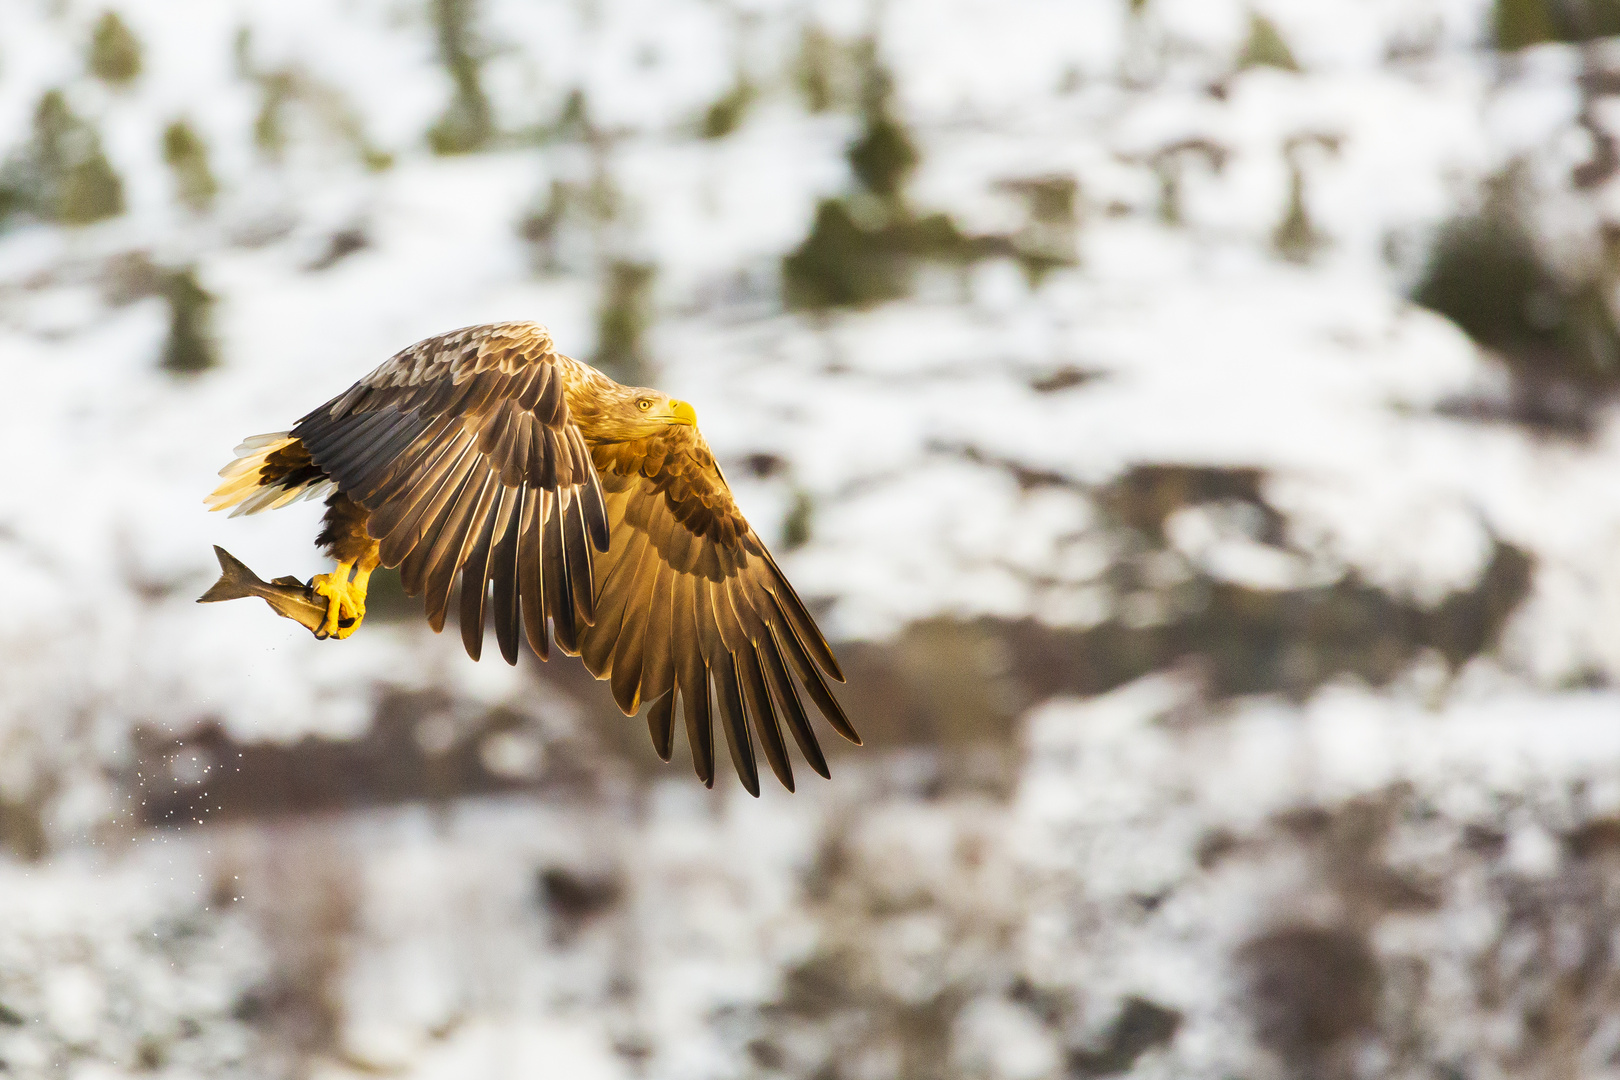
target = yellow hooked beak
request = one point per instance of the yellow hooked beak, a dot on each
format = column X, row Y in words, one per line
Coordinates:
column 682, row 413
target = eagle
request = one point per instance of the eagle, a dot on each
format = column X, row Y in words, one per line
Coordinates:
column 552, row 493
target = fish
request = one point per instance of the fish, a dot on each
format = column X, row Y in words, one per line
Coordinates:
column 287, row 596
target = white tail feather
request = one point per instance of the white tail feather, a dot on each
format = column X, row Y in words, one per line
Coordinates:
column 318, row 490
column 243, row 490
column 258, row 442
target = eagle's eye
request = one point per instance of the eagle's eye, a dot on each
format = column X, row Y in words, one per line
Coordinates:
column 643, row 404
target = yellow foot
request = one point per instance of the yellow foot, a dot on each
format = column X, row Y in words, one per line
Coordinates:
column 346, row 601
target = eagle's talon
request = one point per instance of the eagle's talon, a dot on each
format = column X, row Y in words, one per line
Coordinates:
column 347, row 602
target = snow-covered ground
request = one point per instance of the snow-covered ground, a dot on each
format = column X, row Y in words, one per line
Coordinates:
column 1413, row 878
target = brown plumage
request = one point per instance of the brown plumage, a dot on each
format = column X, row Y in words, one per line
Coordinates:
column 551, row 492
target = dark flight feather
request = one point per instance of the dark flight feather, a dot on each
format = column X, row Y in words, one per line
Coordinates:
column 559, row 593
column 531, row 582
column 475, row 577
column 758, row 700
column 735, row 721
column 503, row 573
column 661, row 726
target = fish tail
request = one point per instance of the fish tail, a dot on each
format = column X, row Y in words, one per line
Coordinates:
column 235, row 580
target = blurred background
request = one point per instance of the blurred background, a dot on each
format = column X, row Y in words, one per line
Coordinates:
column 1194, row 421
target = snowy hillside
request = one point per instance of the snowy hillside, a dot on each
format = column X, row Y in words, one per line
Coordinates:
column 1235, row 637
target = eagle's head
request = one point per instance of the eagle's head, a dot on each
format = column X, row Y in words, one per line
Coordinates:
column 636, row 412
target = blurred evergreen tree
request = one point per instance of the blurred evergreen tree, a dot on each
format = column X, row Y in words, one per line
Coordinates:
column 61, row 174
column 884, row 156
column 80, row 185
column 574, row 118
column 1265, row 46
column 187, row 157
column 796, row 526
column 115, row 54
column 726, row 114
column 467, row 123
column 1049, row 238
column 1523, row 22
column 190, row 347
column 242, row 53
column 277, row 89
column 813, row 72
column 829, row 72
column 622, row 319
column 840, row 263
column 1557, row 334
column 1485, row 276
column 1296, row 237
column 1520, row 23
column 323, row 106
column 851, row 258
column 862, row 247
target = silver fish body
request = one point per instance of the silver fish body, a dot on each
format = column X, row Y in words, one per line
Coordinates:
column 287, row 596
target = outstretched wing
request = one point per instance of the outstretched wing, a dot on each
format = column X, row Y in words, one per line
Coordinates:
column 691, row 603
column 463, row 452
